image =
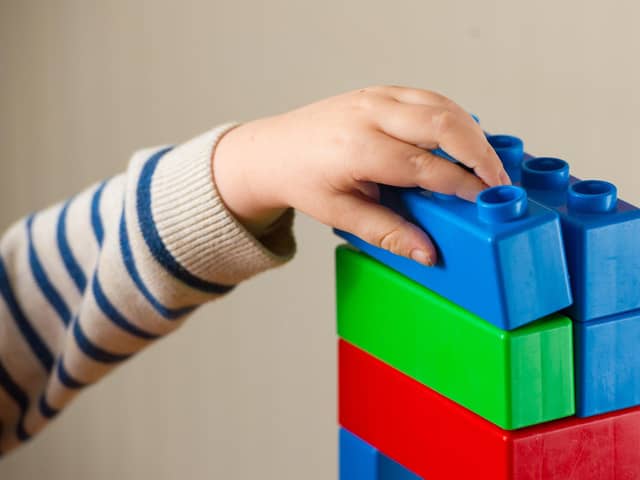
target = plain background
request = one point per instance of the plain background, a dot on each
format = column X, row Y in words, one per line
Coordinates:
column 247, row 388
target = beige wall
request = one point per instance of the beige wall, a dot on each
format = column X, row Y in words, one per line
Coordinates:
column 247, row 388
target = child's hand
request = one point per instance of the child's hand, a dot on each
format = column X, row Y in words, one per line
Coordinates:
column 325, row 159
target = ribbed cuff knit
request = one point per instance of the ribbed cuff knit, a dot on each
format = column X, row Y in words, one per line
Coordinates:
column 197, row 228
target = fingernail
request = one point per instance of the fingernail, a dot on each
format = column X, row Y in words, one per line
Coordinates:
column 422, row 257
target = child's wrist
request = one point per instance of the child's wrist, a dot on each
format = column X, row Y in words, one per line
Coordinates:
column 233, row 173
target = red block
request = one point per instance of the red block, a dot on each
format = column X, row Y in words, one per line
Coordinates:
column 440, row 440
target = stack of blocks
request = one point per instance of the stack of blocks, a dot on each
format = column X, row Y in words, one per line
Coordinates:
column 516, row 357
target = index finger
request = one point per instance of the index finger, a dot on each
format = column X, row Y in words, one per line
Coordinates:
column 462, row 138
column 442, row 125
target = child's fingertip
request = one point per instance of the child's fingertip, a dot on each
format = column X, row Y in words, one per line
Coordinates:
column 470, row 194
column 423, row 257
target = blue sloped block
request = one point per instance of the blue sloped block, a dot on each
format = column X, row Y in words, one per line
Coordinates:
column 501, row 258
column 601, row 232
column 607, row 360
column 361, row 461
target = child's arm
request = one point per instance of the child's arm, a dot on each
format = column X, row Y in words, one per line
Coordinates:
column 86, row 284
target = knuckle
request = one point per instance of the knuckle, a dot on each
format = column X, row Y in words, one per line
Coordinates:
column 391, row 240
column 364, row 102
column 357, row 173
column 444, row 121
column 489, row 151
column 366, row 98
column 423, row 163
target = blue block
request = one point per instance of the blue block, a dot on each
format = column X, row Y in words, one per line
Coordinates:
column 361, row 461
column 607, row 360
column 601, row 232
column 501, row 258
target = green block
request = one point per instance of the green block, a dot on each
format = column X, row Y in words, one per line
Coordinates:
column 512, row 378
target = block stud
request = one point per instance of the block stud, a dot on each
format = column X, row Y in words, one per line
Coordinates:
column 510, row 149
column 545, row 173
column 592, row 196
column 501, row 204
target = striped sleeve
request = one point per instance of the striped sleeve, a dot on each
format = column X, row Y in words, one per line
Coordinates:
column 86, row 284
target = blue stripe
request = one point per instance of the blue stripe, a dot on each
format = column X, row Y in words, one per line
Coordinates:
column 66, row 379
column 19, row 396
column 152, row 236
column 75, row 272
column 42, row 280
column 21, row 432
column 46, row 410
column 96, row 220
column 93, row 351
column 130, row 264
column 36, row 343
column 114, row 315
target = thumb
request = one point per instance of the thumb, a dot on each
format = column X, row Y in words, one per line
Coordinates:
column 379, row 226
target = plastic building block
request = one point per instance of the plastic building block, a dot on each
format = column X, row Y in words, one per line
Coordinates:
column 510, row 149
column 501, row 258
column 357, row 459
column 607, row 357
column 600, row 231
column 440, row 440
column 513, row 379
column 361, row 461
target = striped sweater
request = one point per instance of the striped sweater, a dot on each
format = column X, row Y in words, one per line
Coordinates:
column 86, row 284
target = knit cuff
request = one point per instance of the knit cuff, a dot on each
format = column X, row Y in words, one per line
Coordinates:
column 196, row 227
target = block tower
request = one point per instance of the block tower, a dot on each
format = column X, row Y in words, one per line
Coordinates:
column 517, row 357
